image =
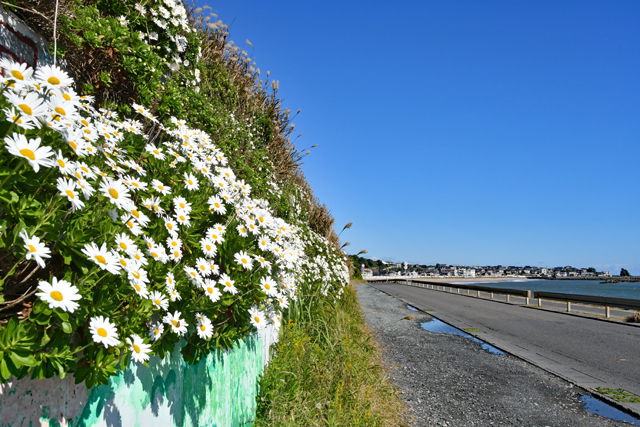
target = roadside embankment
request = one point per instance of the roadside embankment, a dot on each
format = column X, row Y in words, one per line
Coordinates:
column 327, row 371
column 449, row 380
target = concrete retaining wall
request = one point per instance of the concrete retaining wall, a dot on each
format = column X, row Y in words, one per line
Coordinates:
column 219, row 391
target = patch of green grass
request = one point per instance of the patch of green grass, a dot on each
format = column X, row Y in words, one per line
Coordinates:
column 327, row 371
column 427, row 309
column 472, row 330
column 619, row 394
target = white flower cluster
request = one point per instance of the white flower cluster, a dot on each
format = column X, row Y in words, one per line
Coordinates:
column 47, row 98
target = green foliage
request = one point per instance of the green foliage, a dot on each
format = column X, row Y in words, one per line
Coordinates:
column 211, row 88
column 624, row 273
column 619, row 394
column 326, row 371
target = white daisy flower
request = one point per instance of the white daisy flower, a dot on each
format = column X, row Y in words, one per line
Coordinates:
column 268, row 286
column 216, row 204
column 181, row 203
column 159, row 300
column 178, row 325
column 103, row 331
column 35, row 248
column 191, row 182
column 158, row 186
column 15, row 70
column 244, row 260
column 204, row 328
column 29, row 105
column 125, row 243
column 183, row 218
column 228, row 284
column 22, row 120
column 155, row 151
column 68, row 189
column 211, row 290
column 155, row 331
column 101, row 256
column 37, row 156
column 257, row 318
column 242, row 231
column 170, row 281
column 171, row 226
column 59, row 294
column 53, row 77
column 208, row 247
column 139, row 350
column 115, row 191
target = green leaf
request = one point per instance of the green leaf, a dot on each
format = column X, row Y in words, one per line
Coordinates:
column 66, row 327
column 20, row 360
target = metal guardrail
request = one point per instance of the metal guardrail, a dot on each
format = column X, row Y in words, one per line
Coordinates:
column 606, row 302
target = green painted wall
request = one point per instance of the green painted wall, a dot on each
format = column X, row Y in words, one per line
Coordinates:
column 219, row 391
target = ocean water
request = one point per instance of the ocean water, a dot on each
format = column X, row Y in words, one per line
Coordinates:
column 581, row 287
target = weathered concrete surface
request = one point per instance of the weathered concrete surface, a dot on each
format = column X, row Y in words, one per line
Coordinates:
column 219, row 391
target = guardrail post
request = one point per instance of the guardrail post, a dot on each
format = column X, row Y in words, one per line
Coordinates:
column 529, row 295
column 478, row 291
column 539, row 302
column 491, row 296
column 507, row 297
column 568, row 305
column 467, row 291
column 608, row 311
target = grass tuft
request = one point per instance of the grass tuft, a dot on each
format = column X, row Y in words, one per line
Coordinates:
column 327, row 371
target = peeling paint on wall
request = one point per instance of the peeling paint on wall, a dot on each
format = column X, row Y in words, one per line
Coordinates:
column 20, row 43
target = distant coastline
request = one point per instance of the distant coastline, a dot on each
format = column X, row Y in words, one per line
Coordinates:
column 625, row 279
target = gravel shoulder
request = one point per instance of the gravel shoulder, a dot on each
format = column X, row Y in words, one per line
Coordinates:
column 448, row 380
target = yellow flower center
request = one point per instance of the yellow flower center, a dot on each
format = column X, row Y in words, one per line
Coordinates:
column 61, row 163
column 203, row 328
column 176, row 254
column 137, row 287
column 53, row 80
column 123, row 262
column 244, row 260
column 257, row 319
column 156, row 152
column 182, row 218
column 66, row 96
column 153, row 254
column 28, row 154
column 161, row 187
column 217, row 205
column 113, row 193
column 136, row 275
column 26, row 109
column 266, row 286
column 17, row 74
column 157, row 302
column 136, row 348
column 60, row 111
column 101, row 259
column 156, row 332
column 228, row 284
column 208, row 246
column 56, row 295
column 175, row 323
column 84, row 122
column 210, row 289
column 182, row 205
column 190, row 182
column 123, row 245
column 135, row 213
column 73, row 145
column 70, row 194
column 137, row 256
column 170, row 226
column 102, row 332
column 130, row 224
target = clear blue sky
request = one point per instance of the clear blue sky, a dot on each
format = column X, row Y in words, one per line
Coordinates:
column 464, row 132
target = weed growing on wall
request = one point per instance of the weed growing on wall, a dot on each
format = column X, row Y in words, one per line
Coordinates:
column 148, row 201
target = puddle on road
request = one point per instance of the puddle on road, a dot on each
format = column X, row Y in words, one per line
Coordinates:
column 412, row 308
column 440, row 327
column 598, row 407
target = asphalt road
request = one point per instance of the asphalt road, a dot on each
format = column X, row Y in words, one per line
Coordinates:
column 598, row 353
